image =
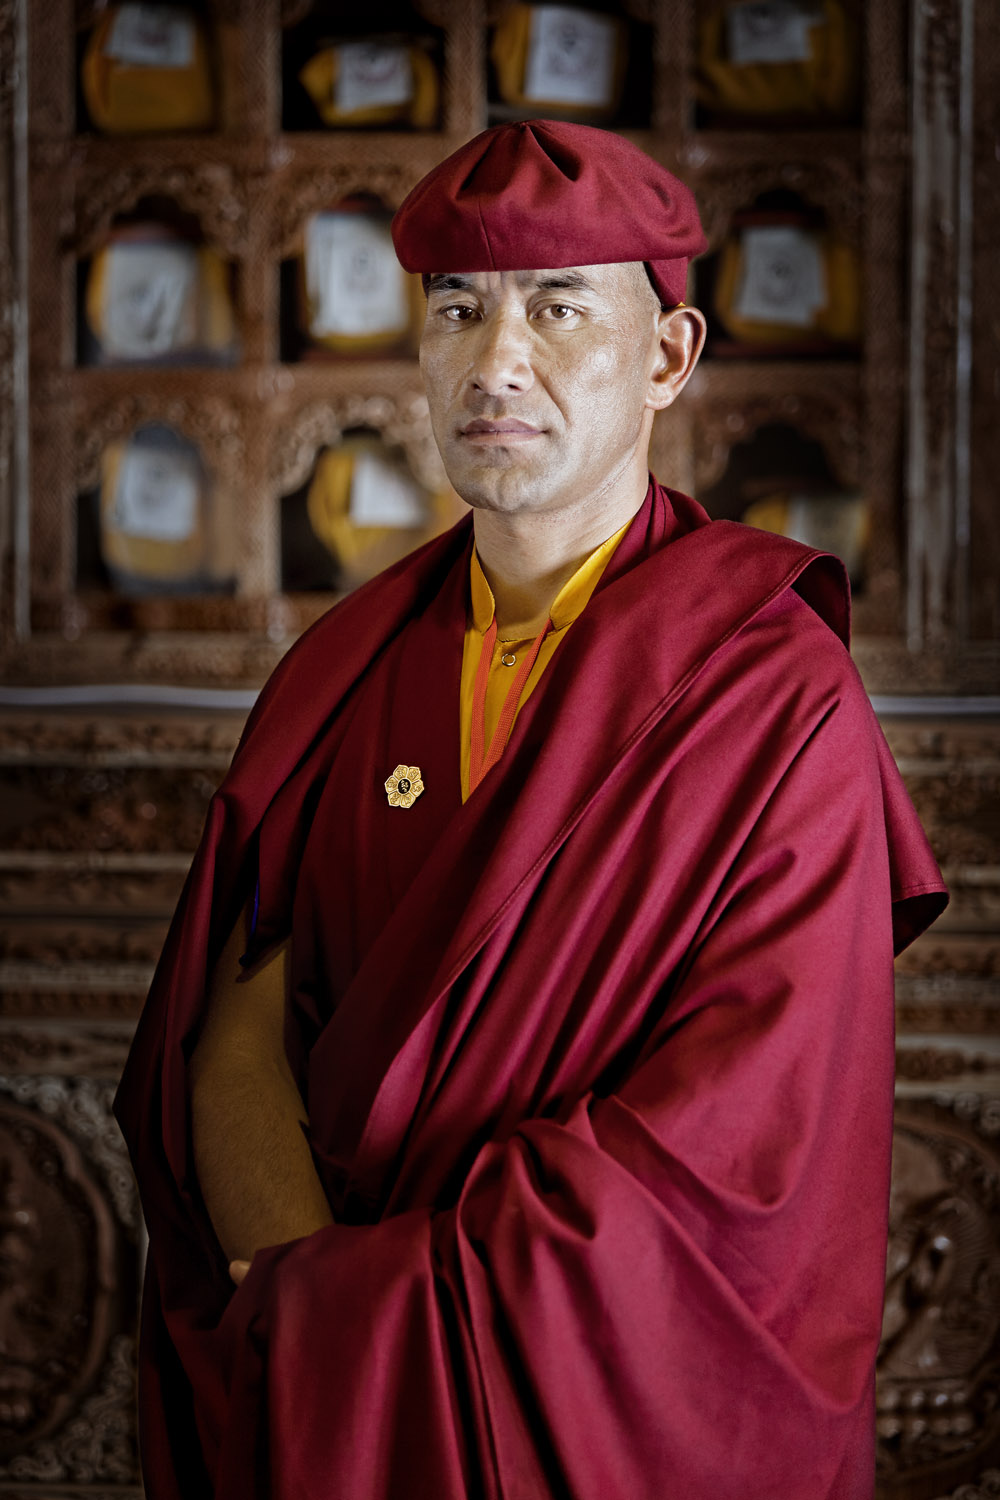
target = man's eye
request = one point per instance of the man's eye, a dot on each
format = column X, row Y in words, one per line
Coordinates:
column 559, row 313
column 459, row 312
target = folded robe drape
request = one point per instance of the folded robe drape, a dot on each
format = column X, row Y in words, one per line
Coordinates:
column 604, row 1110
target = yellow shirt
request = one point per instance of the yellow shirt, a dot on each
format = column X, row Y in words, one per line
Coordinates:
column 568, row 605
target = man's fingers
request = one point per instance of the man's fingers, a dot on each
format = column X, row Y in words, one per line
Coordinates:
column 238, row 1270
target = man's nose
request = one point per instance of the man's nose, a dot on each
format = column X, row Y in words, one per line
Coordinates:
column 502, row 361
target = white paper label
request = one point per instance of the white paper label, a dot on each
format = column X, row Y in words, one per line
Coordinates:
column 774, row 31
column 370, row 74
column 783, row 279
column 151, row 36
column 354, row 282
column 382, row 495
column 571, row 56
column 150, row 300
column 157, row 494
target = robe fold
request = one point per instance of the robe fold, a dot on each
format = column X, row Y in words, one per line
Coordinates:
column 598, row 1064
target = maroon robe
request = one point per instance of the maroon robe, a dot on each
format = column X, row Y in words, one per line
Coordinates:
column 598, row 1065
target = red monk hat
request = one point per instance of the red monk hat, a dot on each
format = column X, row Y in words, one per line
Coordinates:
column 541, row 194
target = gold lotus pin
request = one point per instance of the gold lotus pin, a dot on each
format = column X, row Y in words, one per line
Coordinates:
column 404, row 786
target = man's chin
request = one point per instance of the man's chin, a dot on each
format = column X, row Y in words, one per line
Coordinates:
column 502, row 487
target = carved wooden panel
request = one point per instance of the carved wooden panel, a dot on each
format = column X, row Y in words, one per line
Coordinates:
column 939, row 1363
column 69, row 1249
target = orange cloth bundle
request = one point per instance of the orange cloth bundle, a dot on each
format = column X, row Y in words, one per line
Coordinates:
column 368, row 510
column 153, row 295
column 373, row 82
column 783, row 281
column 783, row 57
column 355, row 297
column 146, row 70
column 152, row 510
column 560, row 59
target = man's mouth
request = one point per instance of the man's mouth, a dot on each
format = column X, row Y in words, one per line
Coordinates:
column 499, row 430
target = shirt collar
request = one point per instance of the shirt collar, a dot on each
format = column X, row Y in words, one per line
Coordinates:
column 571, row 599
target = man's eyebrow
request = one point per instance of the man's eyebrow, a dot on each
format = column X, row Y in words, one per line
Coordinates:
column 448, row 281
column 553, row 281
column 565, row 281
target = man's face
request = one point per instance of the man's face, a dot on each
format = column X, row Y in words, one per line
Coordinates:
column 537, row 381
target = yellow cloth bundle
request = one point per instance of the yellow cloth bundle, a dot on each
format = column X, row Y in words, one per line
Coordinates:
column 152, row 295
column 146, row 70
column 797, row 57
column 560, row 59
column 367, row 509
column 355, row 297
column 373, row 83
column 782, row 282
column 152, row 505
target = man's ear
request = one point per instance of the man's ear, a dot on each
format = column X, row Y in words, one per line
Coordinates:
column 680, row 334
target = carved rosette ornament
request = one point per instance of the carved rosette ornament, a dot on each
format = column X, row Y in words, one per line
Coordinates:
column 939, row 1361
column 68, row 1209
column 56, row 1276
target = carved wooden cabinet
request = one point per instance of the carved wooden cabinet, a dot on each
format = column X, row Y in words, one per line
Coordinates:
column 121, row 701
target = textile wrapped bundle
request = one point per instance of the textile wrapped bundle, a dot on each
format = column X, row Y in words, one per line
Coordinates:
column 382, row 82
column 837, row 523
column 153, row 500
column 354, row 298
column 787, row 57
column 783, row 281
column 556, row 58
column 146, row 70
column 367, row 510
column 153, row 295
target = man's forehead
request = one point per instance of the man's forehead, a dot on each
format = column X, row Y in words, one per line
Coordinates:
column 563, row 278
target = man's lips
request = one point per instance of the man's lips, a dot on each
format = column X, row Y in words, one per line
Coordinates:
column 498, row 430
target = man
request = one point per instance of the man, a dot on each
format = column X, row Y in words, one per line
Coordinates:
column 521, row 1052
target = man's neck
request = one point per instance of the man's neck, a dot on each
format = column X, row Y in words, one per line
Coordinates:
column 528, row 557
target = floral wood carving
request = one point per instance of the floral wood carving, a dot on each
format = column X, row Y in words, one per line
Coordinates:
column 831, row 183
column 61, row 1002
column 939, row 1361
column 211, row 422
column 98, row 1442
column 210, row 190
column 938, row 1064
column 402, row 421
column 56, row 944
column 121, row 810
column 311, row 188
column 832, row 421
column 56, row 1276
column 932, row 955
column 987, row 1487
column 66, row 1051
column 975, row 1017
column 80, row 1108
column 116, row 740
